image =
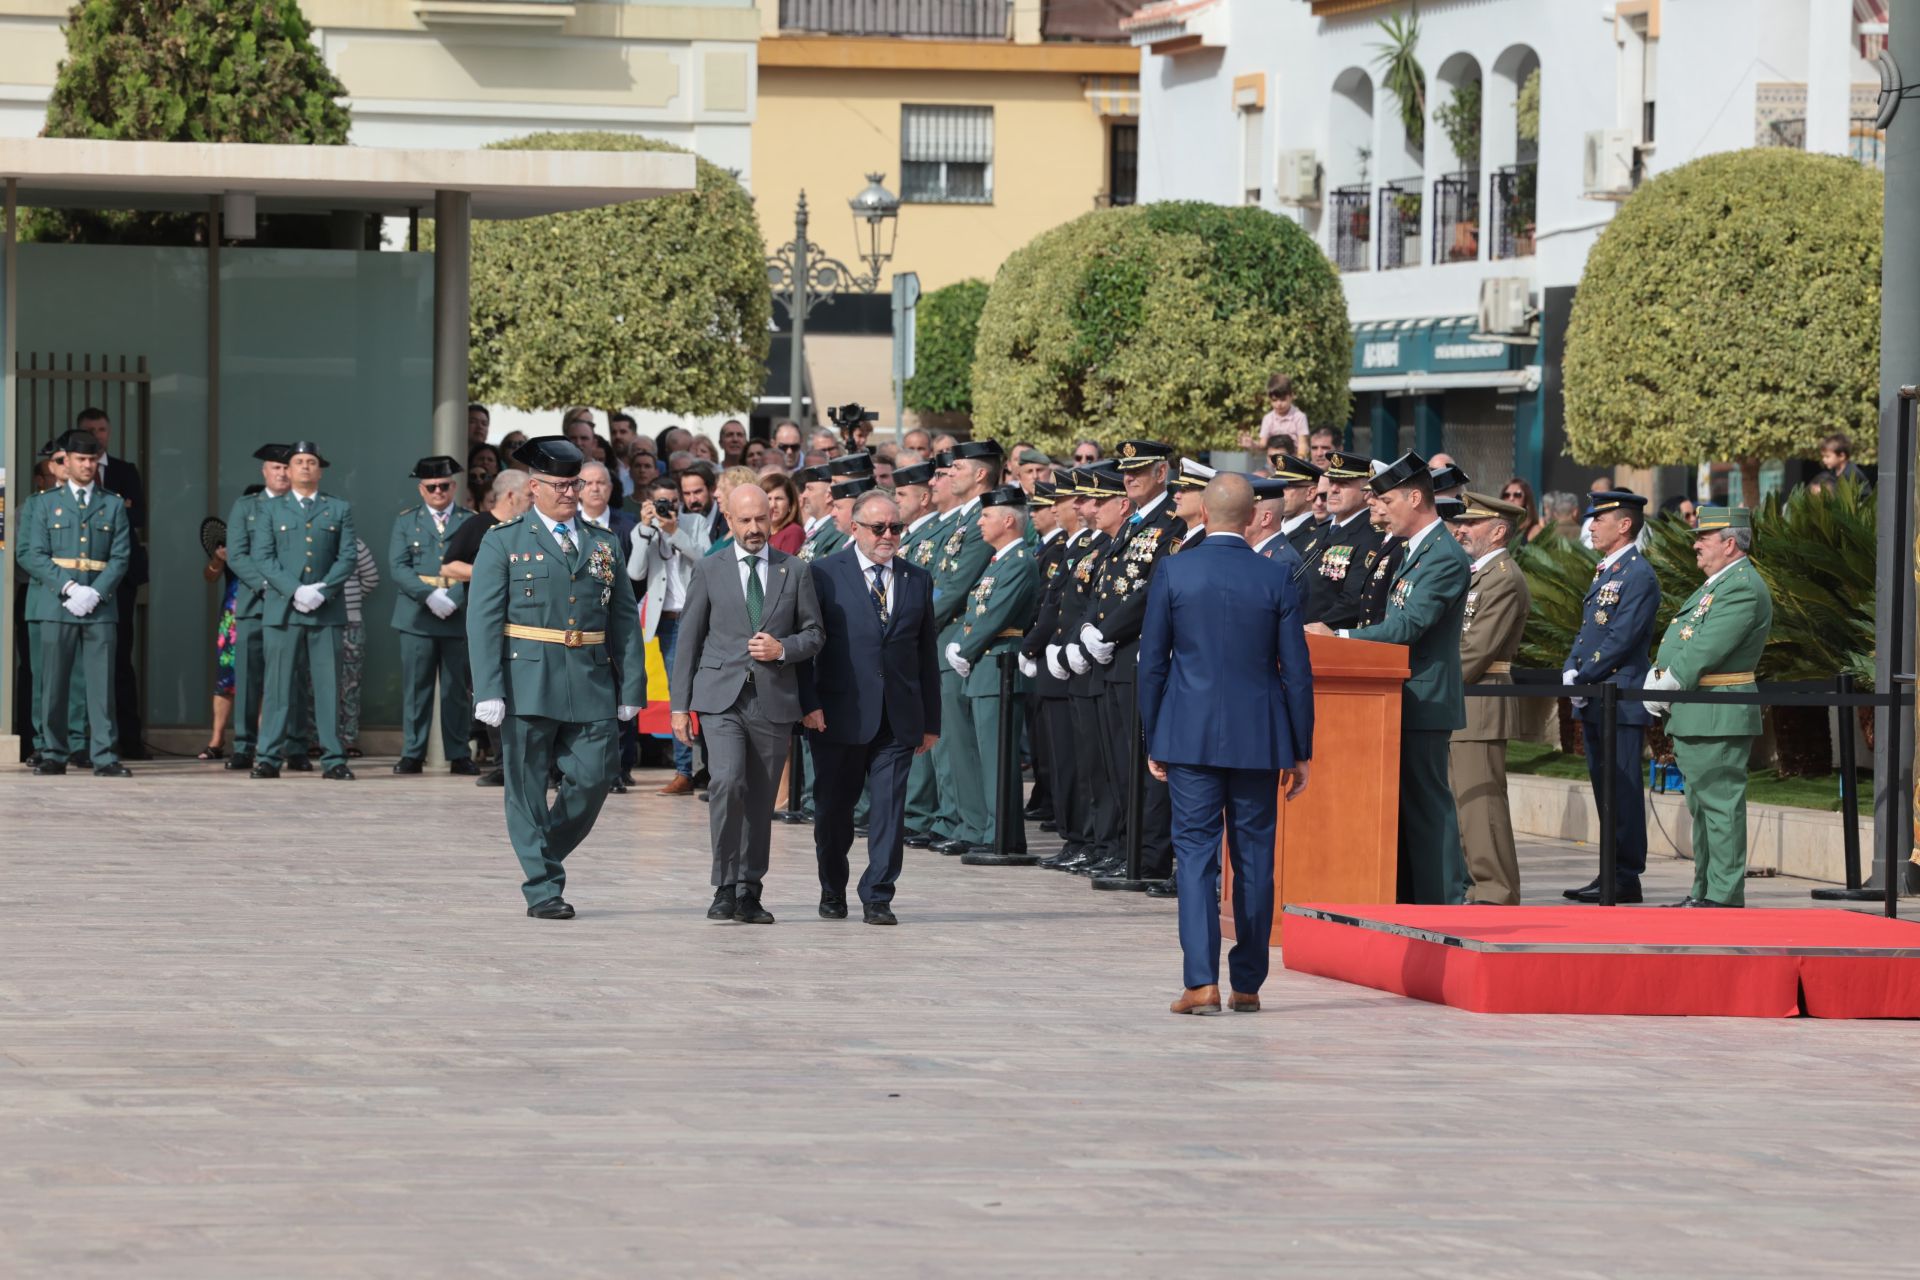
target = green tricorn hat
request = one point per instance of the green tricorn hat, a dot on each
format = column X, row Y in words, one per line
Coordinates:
column 1720, row 519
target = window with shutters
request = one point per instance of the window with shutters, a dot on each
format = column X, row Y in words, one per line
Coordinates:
column 946, row 155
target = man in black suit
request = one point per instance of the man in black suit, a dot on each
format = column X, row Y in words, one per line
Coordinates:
column 119, row 476
column 877, row 611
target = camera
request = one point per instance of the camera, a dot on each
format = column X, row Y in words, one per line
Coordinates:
column 847, row 416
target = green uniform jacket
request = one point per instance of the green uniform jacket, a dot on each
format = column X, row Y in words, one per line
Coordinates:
column 826, row 540
column 1425, row 610
column 416, row 551
column 59, row 530
column 288, row 548
column 999, row 610
column 920, row 548
column 959, row 558
column 24, row 532
column 1722, row 628
column 240, row 521
column 521, row 578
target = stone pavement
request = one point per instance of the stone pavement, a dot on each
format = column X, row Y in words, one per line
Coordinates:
column 303, row 1029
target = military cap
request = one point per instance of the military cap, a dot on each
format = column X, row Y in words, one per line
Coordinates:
column 1449, row 508
column 1033, row 456
column 918, row 473
column 307, row 447
column 1405, row 469
column 273, row 453
column 1102, row 480
column 52, row 447
column 942, row 460
column 1721, row 519
column 1613, row 500
column 853, row 464
column 1348, row 466
column 816, row 474
column 1296, row 470
column 1193, row 475
column 852, row 486
column 551, row 456
column 438, row 467
column 1480, row 506
column 252, row 489
column 83, row 443
column 1450, row 477
column 978, row 451
column 1007, row 495
column 1044, row 495
column 1268, row 487
column 1136, row 454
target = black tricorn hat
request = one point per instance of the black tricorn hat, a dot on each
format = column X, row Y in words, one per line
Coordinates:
column 852, row 486
column 979, row 450
column 273, row 453
column 1450, row 477
column 52, row 447
column 942, row 460
column 1135, row 454
column 852, row 464
column 1007, row 495
column 307, row 447
column 438, row 467
column 1449, row 508
column 551, row 456
column 1404, row 469
column 80, row 442
column 918, row 473
column 816, row 474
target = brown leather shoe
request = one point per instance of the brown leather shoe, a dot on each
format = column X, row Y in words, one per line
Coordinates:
column 1200, row 1000
column 1243, row 1003
column 681, row 785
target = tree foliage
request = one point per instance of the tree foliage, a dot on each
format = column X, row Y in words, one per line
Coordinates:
column 946, row 324
column 1163, row 321
column 659, row 304
column 185, row 71
column 1526, row 108
column 1459, row 117
column 1731, row 311
column 1402, row 74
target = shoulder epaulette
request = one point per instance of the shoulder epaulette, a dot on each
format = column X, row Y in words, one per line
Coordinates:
column 504, row 524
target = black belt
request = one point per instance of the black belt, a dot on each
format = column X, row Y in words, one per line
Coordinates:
column 669, row 613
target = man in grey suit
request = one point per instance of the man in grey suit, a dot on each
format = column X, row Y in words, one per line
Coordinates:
column 751, row 619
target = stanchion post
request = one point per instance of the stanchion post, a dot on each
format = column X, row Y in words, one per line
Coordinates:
column 1895, row 840
column 1849, row 803
column 1609, row 798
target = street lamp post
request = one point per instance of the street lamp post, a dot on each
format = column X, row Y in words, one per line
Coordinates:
column 803, row 276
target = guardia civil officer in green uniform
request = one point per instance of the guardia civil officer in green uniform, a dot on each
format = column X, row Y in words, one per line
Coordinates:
column 300, row 548
column 426, row 614
column 1715, row 642
column 550, row 617
column 55, row 454
column 918, row 545
column 79, row 546
column 959, row 561
column 816, row 505
column 1426, row 606
column 998, row 611
column 249, row 635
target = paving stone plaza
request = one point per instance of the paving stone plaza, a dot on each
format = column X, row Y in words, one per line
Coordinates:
column 303, row 1029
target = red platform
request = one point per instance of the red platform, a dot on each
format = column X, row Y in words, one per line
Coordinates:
column 1619, row 960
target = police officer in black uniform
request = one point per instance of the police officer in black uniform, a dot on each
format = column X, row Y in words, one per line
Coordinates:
column 1101, row 494
column 1335, row 566
column 1053, row 734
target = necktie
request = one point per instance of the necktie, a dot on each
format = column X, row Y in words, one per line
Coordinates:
column 880, row 593
column 306, row 504
column 566, row 543
column 1133, row 519
column 756, row 592
column 83, row 499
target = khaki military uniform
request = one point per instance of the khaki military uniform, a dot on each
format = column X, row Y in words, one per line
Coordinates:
column 1498, row 603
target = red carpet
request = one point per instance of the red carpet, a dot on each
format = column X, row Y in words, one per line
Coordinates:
column 1620, row 960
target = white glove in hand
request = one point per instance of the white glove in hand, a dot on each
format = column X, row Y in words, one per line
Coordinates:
column 1056, row 663
column 85, row 597
column 1568, row 677
column 440, row 603
column 1658, row 679
column 74, row 606
column 1028, row 667
column 1097, row 648
column 626, row 713
column 490, row 712
column 958, row 663
column 1077, row 660
column 308, row 598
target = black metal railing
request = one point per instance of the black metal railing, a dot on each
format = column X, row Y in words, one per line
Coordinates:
column 1456, row 217
column 1513, row 198
column 1398, row 218
column 1352, row 211
column 948, row 19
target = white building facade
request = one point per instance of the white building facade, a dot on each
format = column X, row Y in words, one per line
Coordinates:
column 1286, row 104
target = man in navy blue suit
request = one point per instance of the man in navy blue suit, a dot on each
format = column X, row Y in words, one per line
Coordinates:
column 1228, row 716
column 871, row 702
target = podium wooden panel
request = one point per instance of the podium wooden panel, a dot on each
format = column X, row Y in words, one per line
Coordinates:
column 1339, row 842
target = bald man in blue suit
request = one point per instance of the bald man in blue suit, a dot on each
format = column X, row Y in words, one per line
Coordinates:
column 1226, row 701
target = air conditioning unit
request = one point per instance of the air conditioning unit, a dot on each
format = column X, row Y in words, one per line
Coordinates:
column 1504, row 307
column 1299, row 181
column 1606, row 167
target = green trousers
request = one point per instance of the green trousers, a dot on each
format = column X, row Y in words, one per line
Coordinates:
column 587, row 757
column 923, row 794
column 421, row 659
column 91, row 645
column 76, row 689
column 1433, row 871
column 963, row 808
column 983, row 723
column 1716, row 774
column 285, row 647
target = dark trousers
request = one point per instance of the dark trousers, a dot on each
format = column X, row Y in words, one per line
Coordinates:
column 90, row 645
column 1630, row 806
column 534, row 748
column 1433, row 870
column 1120, row 747
column 126, row 687
column 1242, row 804
column 1041, row 802
column 1069, row 797
column 1103, row 816
column 881, row 766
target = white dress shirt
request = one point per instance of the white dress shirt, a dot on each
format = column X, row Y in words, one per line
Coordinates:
column 1486, row 559
column 744, row 558
column 866, row 575
column 1291, row 523
column 78, row 490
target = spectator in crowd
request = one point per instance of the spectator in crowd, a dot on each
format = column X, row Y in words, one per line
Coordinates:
column 823, row 440
column 678, row 461
column 660, row 570
column 788, row 443
column 920, row 440
column 1320, row 444
column 672, row 441
column 483, row 464
column 1283, row 417
column 1520, row 494
column 1680, row 507
column 642, row 467
column 622, row 431
column 733, row 443
column 1086, row 452
column 1032, row 467
column 1561, row 513
column 1836, row 455
column 479, row 424
column 225, row 637
column 754, row 454
column 353, row 644
column 705, row 450
column 944, row 442
column 596, row 499
column 883, row 463
column 1823, row 482
column 576, row 424
column 508, row 446
column 783, row 503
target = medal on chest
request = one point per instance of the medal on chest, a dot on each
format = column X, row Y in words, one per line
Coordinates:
column 1334, row 564
column 1609, row 594
column 1401, row 590
column 1700, row 610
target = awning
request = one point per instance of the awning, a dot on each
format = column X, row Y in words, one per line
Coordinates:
column 1416, row 356
column 1114, row 97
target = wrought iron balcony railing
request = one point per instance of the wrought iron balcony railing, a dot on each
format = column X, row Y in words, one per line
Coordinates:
column 1398, row 219
column 1351, row 209
column 1514, row 202
column 1456, row 217
column 935, row 19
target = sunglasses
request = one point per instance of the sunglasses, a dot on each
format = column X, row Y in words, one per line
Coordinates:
column 441, row 487
column 1514, row 495
column 788, row 448
column 885, row 528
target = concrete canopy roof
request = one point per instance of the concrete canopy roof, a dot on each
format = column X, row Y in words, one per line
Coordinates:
column 81, row 173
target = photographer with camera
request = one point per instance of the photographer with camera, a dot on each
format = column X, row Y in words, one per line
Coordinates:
column 666, row 543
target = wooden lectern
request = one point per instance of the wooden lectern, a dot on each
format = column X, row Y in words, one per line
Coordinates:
column 1339, row 841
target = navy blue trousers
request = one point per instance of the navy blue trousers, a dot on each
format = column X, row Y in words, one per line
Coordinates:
column 880, row 766
column 1630, row 805
column 1242, row 805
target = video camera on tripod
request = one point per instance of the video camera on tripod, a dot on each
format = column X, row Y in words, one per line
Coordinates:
column 848, row 416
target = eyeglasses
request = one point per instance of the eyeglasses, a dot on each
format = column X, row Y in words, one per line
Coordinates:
column 1086, row 457
column 787, row 448
column 884, row 528
column 559, row 486
column 1514, row 495
column 441, row 487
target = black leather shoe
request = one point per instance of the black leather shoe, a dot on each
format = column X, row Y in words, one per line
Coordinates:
column 950, row 846
column 114, row 770
column 338, row 773
column 551, row 909
column 625, row 779
column 50, row 768
column 300, row 764
column 1628, row 893
column 1589, row 892
column 31, row 759
column 617, row 788
column 1701, row 902
column 879, row 913
column 723, row 904
column 80, row 760
column 833, row 908
column 407, row 764
column 747, row 909
column 920, row 840
column 464, row 766
column 1163, row 889
column 239, row 763
column 491, row 778
column 264, row 769
column 1048, row 824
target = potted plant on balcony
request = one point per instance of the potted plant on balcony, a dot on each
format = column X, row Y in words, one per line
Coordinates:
column 1406, row 208
column 1460, row 118
column 1526, row 119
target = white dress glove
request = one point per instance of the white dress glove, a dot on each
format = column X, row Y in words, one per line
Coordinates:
column 74, row 607
column 958, row 663
column 1028, row 667
column 1097, row 648
column 308, row 598
column 490, row 712
column 81, row 600
column 1568, row 677
column 1077, row 660
column 440, row 603
column 1658, row 679
column 626, row 713
column 1056, row 663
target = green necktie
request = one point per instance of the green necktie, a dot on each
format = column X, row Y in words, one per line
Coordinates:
column 83, row 499
column 756, row 593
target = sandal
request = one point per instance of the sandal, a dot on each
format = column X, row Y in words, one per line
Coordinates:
column 213, row 753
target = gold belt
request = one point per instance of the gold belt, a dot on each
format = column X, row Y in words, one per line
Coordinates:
column 436, row 580
column 1499, row 668
column 1725, row 678
column 555, row 635
column 81, row 563
column 1011, row 633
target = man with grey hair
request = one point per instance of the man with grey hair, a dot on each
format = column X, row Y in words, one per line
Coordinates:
column 1714, row 642
column 822, row 440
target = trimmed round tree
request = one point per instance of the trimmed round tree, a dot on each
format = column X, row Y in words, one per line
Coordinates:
column 1730, row 312
column 946, row 326
column 1160, row 321
column 657, row 304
